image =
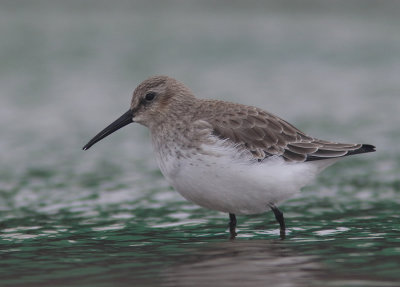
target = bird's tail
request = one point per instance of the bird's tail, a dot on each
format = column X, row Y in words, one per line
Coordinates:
column 331, row 150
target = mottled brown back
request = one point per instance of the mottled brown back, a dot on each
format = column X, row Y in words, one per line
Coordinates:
column 264, row 134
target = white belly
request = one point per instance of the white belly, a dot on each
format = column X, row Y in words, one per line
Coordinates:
column 230, row 183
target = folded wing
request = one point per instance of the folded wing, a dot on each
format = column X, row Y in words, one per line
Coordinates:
column 264, row 135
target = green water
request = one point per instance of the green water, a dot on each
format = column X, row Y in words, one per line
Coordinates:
column 106, row 217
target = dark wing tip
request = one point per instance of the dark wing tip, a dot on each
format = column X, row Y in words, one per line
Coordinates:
column 364, row 148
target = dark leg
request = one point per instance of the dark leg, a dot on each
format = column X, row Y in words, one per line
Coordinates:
column 232, row 225
column 279, row 218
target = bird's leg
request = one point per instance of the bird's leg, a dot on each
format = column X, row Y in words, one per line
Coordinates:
column 232, row 226
column 279, row 218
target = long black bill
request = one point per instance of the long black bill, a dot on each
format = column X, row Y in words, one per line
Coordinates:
column 122, row 121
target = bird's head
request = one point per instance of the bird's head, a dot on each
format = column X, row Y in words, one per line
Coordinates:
column 153, row 102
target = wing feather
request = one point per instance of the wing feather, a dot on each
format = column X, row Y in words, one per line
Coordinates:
column 264, row 134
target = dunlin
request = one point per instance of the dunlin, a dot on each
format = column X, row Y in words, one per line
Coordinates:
column 225, row 156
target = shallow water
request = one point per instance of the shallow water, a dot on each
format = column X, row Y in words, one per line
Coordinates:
column 106, row 216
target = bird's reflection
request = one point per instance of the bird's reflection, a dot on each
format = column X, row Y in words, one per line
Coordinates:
column 243, row 263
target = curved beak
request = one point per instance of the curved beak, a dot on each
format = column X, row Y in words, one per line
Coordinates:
column 122, row 121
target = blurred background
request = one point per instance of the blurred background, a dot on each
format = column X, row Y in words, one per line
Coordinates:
column 68, row 68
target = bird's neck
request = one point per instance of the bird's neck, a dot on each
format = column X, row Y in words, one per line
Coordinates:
column 175, row 119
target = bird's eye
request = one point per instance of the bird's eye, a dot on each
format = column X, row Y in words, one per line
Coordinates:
column 150, row 96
